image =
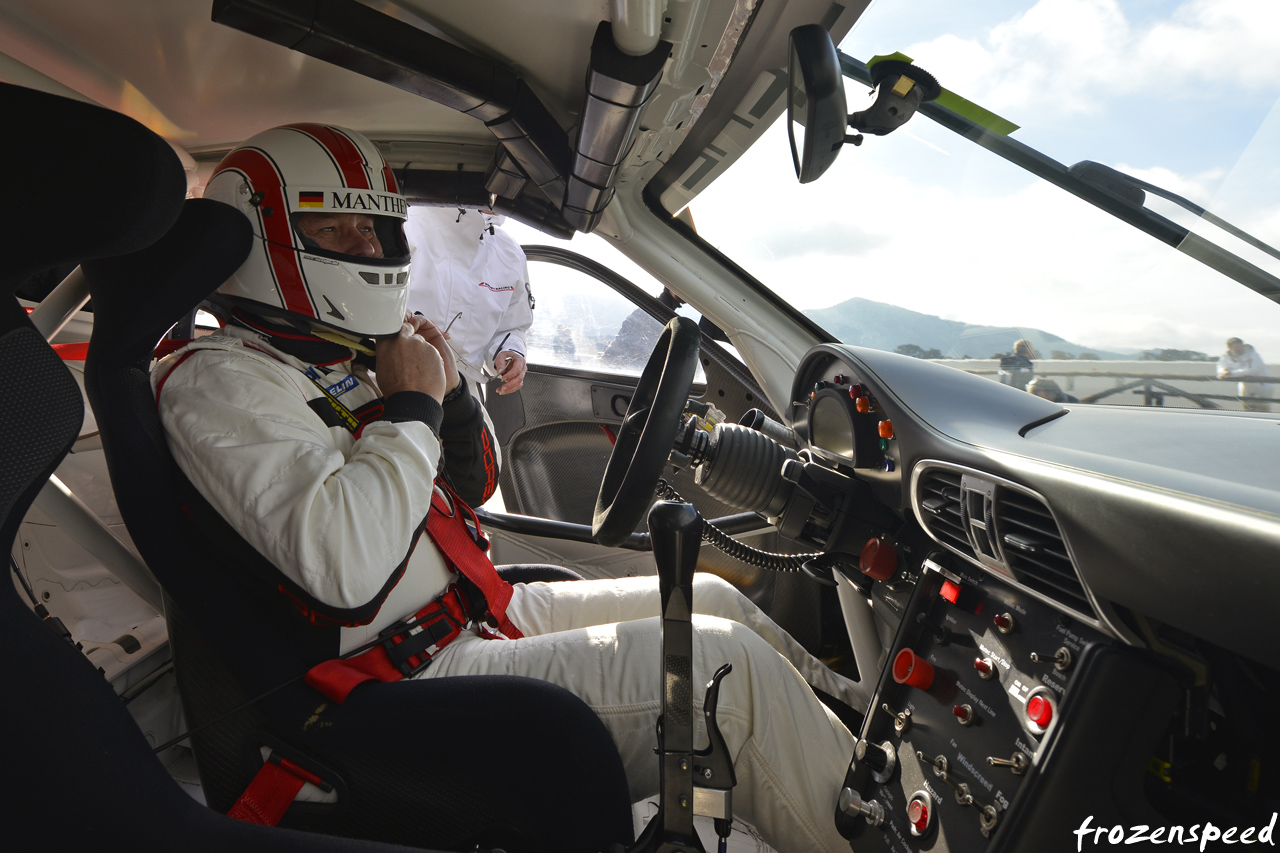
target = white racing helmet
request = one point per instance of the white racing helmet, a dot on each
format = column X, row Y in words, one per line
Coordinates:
column 286, row 172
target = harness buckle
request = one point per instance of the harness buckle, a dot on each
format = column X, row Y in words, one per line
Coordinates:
column 421, row 639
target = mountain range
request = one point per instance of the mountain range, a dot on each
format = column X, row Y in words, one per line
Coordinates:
column 878, row 325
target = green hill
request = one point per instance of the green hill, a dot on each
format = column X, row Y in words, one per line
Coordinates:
column 878, row 325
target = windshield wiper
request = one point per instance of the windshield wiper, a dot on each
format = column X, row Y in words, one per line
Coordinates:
column 1119, row 194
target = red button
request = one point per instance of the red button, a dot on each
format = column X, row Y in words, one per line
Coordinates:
column 910, row 668
column 950, row 591
column 918, row 814
column 878, row 560
column 1040, row 711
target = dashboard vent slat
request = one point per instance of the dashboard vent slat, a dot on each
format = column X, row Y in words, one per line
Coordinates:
column 1045, row 566
column 939, row 493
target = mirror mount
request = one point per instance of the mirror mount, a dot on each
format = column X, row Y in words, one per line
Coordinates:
column 900, row 89
column 816, row 102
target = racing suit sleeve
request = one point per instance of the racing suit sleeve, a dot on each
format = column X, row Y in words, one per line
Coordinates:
column 471, row 456
column 337, row 516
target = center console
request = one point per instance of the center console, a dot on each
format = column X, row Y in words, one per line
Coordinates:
column 1000, row 723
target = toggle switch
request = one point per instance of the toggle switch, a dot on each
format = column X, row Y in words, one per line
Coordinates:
column 1061, row 659
column 941, row 633
column 1017, row 764
column 1003, row 622
column 986, row 669
column 963, row 713
column 901, row 720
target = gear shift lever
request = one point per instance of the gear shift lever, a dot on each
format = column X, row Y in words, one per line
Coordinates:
column 676, row 532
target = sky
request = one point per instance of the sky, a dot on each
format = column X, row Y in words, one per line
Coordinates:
column 1183, row 95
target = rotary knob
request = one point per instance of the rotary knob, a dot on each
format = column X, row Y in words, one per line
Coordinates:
column 881, row 758
column 878, row 560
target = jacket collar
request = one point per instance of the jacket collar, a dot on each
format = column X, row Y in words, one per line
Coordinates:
column 304, row 347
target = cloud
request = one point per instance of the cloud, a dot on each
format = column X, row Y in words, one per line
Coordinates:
column 1077, row 55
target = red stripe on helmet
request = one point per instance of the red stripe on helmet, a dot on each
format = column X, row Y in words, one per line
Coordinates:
column 264, row 177
column 345, row 154
column 389, row 179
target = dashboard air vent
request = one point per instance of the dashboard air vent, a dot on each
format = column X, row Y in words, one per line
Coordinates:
column 1034, row 550
column 940, row 498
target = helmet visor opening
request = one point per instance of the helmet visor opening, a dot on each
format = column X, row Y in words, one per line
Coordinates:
column 370, row 239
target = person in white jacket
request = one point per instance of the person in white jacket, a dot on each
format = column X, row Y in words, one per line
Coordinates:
column 331, row 471
column 472, row 278
column 1242, row 359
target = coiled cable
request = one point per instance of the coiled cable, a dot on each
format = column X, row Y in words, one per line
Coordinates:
column 717, row 538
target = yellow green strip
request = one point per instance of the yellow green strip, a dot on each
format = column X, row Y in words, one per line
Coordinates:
column 960, row 106
column 976, row 114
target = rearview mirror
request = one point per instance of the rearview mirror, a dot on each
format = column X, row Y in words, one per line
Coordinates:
column 815, row 102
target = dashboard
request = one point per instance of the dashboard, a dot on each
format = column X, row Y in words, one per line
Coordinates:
column 1076, row 603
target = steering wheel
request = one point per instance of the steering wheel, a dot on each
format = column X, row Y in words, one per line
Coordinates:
column 648, row 430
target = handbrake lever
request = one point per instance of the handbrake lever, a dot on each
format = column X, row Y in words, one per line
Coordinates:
column 686, row 788
column 713, row 776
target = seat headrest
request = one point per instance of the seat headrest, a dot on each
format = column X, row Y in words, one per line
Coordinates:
column 137, row 297
column 84, row 182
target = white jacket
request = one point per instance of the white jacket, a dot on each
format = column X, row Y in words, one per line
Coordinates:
column 459, row 266
column 1249, row 363
column 335, row 513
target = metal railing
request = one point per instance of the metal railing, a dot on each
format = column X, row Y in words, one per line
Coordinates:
column 1154, row 387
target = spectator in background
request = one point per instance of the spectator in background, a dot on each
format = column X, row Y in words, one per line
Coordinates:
column 562, row 345
column 1242, row 360
column 1017, row 369
column 1043, row 386
column 468, row 272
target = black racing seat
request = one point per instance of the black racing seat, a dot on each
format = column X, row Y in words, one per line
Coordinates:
column 81, row 774
column 493, row 761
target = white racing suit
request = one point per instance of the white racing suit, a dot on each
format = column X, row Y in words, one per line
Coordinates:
column 460, row 265
column 338, row 514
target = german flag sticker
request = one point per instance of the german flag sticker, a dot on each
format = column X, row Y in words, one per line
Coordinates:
column 310, row 199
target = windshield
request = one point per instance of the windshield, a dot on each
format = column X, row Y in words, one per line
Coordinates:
column 924, row 243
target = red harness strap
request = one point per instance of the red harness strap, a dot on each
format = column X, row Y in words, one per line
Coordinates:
column 448, row 529
column 272, row 791
column 406, row 648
